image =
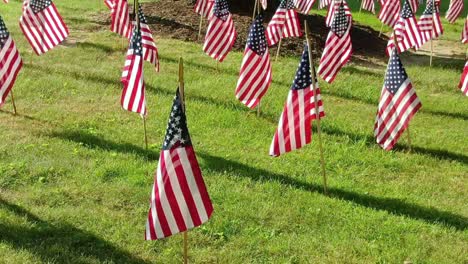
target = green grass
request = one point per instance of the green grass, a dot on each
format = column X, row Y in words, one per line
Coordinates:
column 75, row 178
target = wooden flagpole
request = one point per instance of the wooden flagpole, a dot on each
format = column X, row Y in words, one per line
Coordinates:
column 200, row 28
column 137, row 20
column 432, row 32
column 407, row 128
column 278, row 50
column 381, row 29
column 255, row 10
column 13, row 102
column 360, row 8
column 182, row 99
column 317, row 108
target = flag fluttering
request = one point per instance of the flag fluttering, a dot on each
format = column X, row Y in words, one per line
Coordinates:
column 10, row 62
column 179, row 198
column 324, row 3
column 110, row 4
column 415, row 5
column 133, row 93
column 407, row 31
column 397, row 105
column 120, row 18
column 465, row 32
column 304, row 6
column 42, row 25
column 204, row 7
column 368, row 5
column 429, row 23
column 150, row 51
column 295, row 125
column 255, row 73
column 455, row 9
column 389, row 12
column 463, row 85
column 284, row 24
column 221, row 34
column 338, row 47
column 333, row 8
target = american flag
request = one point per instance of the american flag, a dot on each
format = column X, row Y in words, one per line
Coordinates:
column 455, row 9
column 255, row 72
column 150, row 51
column 415, row 5
column 284, row 24
column 464, row 80
column 407, row 31
column 332, row 11
column 338, row 47
column 295, row 125
column 429, row 23
column 304, row 6
column 221, row 34
column 179, row 198
column 389, row 12
column 10, row 62
column 368, row 5
column 42, row 25
column 465, row 32
column 397, row 105
column 120, row 23
column 203, row 7
column 133, row 94
column 109, row 4
column 25, row 5
column 324, row 3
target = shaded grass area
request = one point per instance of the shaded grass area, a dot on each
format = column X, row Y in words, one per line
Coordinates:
column 75, row 176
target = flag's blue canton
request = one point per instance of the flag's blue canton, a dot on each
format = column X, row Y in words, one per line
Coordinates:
column 290, row 4
column 136, row 41
column 221, row 9
column 4, row 34
column 177, row 134
column 283, row 4
column 303, row 78
column 256, row 40
column 141, row 15
column 340, row 22
column 407, row 12
column 396, row 74
column 39, row 5
column 429, row 8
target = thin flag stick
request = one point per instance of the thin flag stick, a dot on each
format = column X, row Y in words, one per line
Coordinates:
column 255, row 10
column 182, row 99
column 146, row 135
column 432, row 32
column 360, row 8
column 200, row 28
column 13, row 102
column 278, row 50
column 381, row 29
column 317, row 108
column 407, row 128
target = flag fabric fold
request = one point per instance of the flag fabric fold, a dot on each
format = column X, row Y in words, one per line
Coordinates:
column 204, row 7
column 333, row 8
column 10, row 62
column 407, row 31
column 179, row 198
column 324, row 3
column 415, row 5
column 429, row 23
column 338, row 47
column 255, row 73
column 304, row 6
column 150, row 50
column 455, row 9
column 389, row 12
column 368, row 5
column 109, row 4
column 220, row 34
column 133, row 93
column 295, row 124
column 463, row 85
column 42, row 25
column 397, row 105
column 284, row 24
column 120, row 18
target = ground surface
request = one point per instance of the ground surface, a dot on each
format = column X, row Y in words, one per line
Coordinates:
column 75, row 178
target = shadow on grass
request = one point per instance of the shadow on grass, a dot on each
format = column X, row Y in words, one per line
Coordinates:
column 92, row 142
column 391, row 205
column 58, row 243
column 370, row 141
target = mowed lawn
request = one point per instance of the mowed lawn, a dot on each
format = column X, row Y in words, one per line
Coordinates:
column 75, row 178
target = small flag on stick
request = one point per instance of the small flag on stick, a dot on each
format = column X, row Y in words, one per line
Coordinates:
column 42, row 25
column 150, row 51
column 368, row 5
column 304, row 6
column 333, row 8
column 203, row 7
column 284, row 24
column 120, row 18
column 389, row 12
column 429, row 24
column 10, row 62
column 465, row 32
column 454, row 11
column 464, row 80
